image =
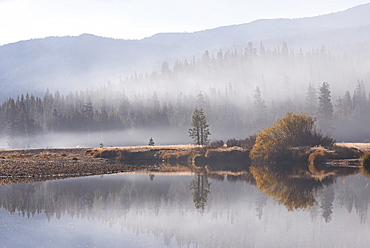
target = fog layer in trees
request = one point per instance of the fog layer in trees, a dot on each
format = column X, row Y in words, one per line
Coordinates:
column 240, row 92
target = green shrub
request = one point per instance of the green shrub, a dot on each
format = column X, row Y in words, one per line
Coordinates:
column 231, row 142
column 365, row 164
column 365, row 171
column 318, row 139
column 216, row 144
column 365, row 160
column 247, row 143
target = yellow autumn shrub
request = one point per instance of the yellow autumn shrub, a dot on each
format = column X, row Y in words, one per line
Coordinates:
column 294, row 129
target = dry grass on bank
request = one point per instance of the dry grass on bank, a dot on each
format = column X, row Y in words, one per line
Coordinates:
column 146, row 148
column 365, row 147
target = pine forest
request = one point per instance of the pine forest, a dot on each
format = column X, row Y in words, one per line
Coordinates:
column 240, row 92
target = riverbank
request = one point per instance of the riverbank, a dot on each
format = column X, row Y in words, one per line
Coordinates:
column 32, row 165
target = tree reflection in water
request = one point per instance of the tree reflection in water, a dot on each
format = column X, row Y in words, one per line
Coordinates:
column 294, row 191
column 179, row 210
column 200, row 188
column 314, row 191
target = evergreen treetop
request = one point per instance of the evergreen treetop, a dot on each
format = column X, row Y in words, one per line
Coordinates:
column 200, row 131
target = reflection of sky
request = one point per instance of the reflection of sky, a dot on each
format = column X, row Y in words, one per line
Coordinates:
column 67, row 232
column 230, row 219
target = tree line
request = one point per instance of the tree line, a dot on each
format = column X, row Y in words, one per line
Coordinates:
column 280, row 72
column 235, row 89
column 21, row 119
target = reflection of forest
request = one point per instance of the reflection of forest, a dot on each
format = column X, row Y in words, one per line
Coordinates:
column 301, row 191
column 78, row 196
column 138, row 202
column 130, row 200
column 294, row 192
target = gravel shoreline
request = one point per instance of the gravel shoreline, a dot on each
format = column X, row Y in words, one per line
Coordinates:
column 32, row 165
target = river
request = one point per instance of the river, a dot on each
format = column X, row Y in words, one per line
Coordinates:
column 161, row 210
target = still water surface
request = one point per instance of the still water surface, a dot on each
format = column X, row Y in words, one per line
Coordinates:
column 141, row 210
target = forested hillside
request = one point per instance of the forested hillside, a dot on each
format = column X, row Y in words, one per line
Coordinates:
column 78, row 62
column 231, row 86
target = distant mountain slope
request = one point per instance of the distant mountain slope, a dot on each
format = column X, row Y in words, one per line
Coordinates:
column 274, row 29
column 86, row 61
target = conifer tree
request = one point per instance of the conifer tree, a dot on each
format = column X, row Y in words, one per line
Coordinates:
column 325, row 109
column 311, row 99
column 347, row 105
column 200, row 131
column 12, row 131
column 259, row 109
column 151, row 142
column 359, row 97
column 201, row 103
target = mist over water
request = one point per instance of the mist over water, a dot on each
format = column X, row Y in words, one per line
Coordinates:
column 116, row 138
column 131, row 137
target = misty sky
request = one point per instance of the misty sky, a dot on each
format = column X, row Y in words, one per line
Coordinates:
column 129, row 19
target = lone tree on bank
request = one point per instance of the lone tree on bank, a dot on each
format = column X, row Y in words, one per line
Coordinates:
column 151, row 142
column 200, row 131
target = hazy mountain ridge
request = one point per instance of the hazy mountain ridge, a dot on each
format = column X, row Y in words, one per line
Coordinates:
column 87, row 61
column 269, row 29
